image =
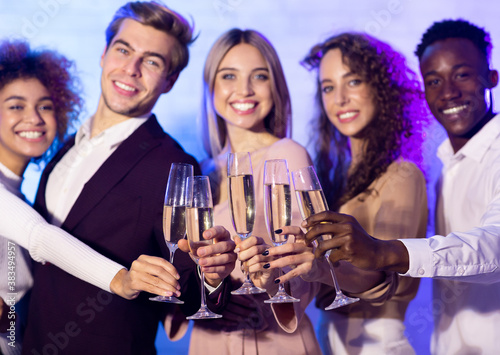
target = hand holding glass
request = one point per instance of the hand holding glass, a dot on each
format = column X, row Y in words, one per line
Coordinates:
column 174, row 210
column 241, row 199
column 278, row 208
column 312, row 200
column 199, row 218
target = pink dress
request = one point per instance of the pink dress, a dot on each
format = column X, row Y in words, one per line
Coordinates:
column 249, row 325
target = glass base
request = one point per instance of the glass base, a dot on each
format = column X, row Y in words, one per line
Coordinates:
column 169, row 299
column 340, row 301
column 204, row 313
column 282, row 297
column 248, row 288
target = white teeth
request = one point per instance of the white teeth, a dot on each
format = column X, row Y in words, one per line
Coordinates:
column 348, row 115
column 124, row 87
column 243, row 106
column 31, row 134
column 453, row 110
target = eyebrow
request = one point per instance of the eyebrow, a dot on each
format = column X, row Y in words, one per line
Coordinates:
column 17, row 97
column 455, row 67
column 230, row 68
column 346, row 75
column 145, row 54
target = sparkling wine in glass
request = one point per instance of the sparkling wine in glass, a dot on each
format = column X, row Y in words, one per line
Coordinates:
column 278, row 209
column 312, row 200
column 174, row 210
column 199, row 218
column 241, row 199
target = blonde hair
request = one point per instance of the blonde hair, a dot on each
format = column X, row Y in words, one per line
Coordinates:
column 278, row 122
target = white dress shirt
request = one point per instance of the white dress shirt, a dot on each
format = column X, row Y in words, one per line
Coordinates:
column 467, row 247
column 81, row 162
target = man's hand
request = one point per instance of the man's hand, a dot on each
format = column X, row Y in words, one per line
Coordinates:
column 147, row 273
column 351, row 243
column 217, row 260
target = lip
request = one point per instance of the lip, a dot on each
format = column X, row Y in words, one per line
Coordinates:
column 123, row 91
column 244, row 107
column 351, row 116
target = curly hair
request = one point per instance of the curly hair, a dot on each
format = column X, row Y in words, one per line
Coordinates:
column 400, row 111
column 54, row 71
column 456, row 29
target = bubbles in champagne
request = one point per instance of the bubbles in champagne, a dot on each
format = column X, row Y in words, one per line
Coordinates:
column 242, row 203
column 278, row 202
column 198, row 220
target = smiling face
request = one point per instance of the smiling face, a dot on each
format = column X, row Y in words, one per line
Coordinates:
column 27, row 123
column 242, row 90
column 134, row 69
column 456, row 76
column 347, row 98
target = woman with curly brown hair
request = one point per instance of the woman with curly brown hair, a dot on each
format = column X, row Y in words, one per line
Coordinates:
column 367, row 134
column 39, row 100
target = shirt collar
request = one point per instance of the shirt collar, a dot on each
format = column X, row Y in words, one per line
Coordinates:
column 476, row 147
column 113, row 135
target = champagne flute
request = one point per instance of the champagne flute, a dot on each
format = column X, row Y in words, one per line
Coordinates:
column 174, row 210
column 241, row 199
column 311, row 201
column 278, row 208
column 199, row 218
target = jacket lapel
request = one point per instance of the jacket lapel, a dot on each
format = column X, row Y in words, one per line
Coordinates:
column 126, row 156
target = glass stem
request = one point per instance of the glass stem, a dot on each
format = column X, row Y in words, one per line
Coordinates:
column 332, row 272
column 172, row 249
column 203, row 296
column 281, row 286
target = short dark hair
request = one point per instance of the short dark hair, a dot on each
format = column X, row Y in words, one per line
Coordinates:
column 53, row 70
column 158, row 16
column 456, row 29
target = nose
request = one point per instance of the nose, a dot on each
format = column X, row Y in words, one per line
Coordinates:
column 340, row 96
column 132, row 67
column 34, row 117
column 449, row 90
column 245, row 87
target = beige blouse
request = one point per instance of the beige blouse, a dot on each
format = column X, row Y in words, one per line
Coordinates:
column 394, row 207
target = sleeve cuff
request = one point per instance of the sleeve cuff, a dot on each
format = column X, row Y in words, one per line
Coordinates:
column 420, row 257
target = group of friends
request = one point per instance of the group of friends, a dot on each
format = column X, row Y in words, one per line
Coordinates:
column 95, row 230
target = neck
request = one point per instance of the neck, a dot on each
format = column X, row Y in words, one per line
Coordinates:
column 104, row 118
column 244, row 140
column 356, row 145
column 15, row 165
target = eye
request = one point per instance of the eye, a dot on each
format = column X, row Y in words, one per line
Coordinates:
column 462, row 76
column 355, row 82
column 326, row 89
column 16, row 107
column 261, row 76
column 228, row 76
column 122, row 50
column 46, row 107
column 432, row 83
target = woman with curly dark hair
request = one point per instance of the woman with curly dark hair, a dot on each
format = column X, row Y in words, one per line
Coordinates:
column 367, row 134
column 39, row 100
column 368, row 142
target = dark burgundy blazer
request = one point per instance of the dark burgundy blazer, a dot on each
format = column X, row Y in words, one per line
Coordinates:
column 119, row 214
